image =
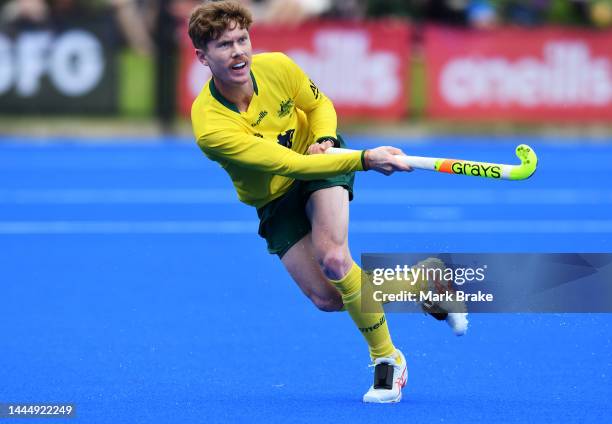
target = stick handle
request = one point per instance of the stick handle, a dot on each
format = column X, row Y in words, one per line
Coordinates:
column 523, row 171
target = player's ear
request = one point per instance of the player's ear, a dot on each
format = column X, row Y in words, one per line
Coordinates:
column 201, row 55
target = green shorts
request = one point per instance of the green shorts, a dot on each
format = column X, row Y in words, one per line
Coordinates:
column 283, row 221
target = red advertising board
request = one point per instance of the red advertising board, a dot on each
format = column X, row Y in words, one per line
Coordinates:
column 362, row 67
column 519, row 74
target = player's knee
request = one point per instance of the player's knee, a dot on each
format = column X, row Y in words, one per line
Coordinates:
column 335, row 263
column 331, row 303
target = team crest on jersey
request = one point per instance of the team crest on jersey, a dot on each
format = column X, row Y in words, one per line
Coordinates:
column 285, row 108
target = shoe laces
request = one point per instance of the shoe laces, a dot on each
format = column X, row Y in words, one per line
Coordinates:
column 385, row 360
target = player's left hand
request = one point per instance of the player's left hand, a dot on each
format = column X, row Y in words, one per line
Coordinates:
column 318, row 148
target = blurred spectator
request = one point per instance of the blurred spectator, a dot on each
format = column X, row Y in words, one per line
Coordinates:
column 476, row 13
column 380, row 8
column 452, row 12
column 524, row 13
column 133, row 24
column 287, row 12
column 347, row 9
column 600, row 12
column 540, row 12
column 568, row 12
column 128, row 17
column 181, row 9
column 24, row 12
column 67, row 12
column 55, row 13
column 170, row 18
column 481, row 14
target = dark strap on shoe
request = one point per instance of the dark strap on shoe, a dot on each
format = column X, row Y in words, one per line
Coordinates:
column 434, row 310
column 383, row 376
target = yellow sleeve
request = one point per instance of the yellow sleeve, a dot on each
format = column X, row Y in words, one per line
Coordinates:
column 257, row 154
column 319, row 109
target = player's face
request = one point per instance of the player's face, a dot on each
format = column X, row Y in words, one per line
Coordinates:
column 229, row 56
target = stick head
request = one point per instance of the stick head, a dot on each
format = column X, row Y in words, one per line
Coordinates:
column 529, row 162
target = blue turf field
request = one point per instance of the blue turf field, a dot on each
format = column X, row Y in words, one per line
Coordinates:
column 134, row 285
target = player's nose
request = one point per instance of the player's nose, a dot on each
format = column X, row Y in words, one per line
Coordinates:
column 237, row 51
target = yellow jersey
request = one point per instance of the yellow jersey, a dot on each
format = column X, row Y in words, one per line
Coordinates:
column 264, row 149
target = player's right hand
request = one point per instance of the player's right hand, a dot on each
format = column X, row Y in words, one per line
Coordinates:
column 319, row 148
column 384, row 160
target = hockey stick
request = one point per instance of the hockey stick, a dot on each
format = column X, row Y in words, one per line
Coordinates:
column 529, row 162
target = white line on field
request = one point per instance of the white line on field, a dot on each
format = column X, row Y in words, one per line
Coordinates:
column 356, row 227
column 562, row 196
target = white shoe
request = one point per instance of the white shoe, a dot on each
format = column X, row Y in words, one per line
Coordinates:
column 390, row 375
column 453, row 312
column 458, row 322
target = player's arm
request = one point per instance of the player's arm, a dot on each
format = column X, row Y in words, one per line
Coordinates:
column 254, row 153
